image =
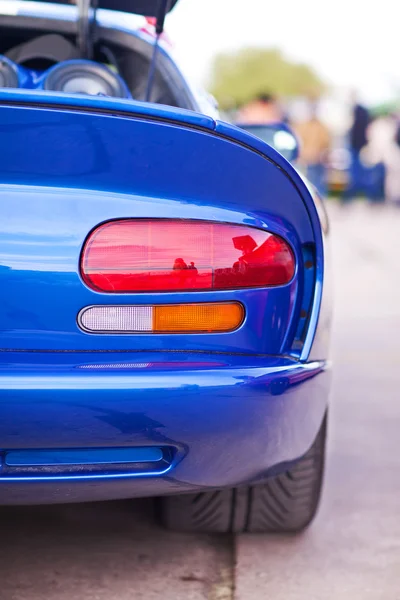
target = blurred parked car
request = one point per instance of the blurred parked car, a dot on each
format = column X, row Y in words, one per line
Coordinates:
column 278, row 135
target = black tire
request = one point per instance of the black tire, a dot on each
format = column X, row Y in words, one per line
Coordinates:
column 285, row 503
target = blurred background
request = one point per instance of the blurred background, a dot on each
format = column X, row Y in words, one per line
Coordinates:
column 330, row 70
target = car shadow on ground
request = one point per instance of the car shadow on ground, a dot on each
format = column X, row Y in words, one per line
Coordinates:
column 106, row 550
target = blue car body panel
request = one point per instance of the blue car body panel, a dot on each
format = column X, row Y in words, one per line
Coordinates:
column 225, row 420
column 134, row 165
column 86, row 416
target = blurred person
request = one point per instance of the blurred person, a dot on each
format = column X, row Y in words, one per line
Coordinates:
column 315, row 144
column 382, row 156
column 263, row 109
column 357, row 141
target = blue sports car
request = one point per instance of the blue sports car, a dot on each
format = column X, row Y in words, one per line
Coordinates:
column 164, row 284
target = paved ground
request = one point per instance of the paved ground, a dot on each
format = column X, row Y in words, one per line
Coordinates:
column 352, row 552
column 353, row 549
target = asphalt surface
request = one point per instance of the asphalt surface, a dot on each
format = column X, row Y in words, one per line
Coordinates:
column 115, row 551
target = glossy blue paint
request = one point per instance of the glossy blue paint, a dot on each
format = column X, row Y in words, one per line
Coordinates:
column 85, row 456
column 135, row 164
column 43, row 230
column 31, row 268
column 224, row 409
column 55, row 101
column 230, row 419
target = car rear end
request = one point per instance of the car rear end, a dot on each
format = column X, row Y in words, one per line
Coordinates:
column 161, row 283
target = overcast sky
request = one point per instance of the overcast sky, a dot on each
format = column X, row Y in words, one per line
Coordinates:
column 349, row 42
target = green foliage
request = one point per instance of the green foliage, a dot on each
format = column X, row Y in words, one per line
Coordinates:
column 238, row 77
column 385, row 109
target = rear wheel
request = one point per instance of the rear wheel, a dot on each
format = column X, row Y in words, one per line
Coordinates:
column 285, row 503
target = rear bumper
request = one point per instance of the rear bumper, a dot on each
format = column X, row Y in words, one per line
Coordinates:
column 218, row 421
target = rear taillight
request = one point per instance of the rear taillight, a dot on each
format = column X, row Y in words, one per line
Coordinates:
column 162, row 255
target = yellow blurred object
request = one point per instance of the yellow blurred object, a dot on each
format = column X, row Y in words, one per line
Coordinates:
column 315, row 141
column 196, row 318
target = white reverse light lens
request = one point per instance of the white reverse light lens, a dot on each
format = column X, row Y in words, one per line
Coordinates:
column 117, row 318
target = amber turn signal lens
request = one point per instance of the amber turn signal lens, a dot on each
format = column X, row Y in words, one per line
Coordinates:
column 198, row 318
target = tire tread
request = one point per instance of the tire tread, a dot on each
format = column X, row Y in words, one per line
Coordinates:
column 286, row 503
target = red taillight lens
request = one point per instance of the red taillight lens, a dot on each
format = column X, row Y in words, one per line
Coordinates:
column 164, row 255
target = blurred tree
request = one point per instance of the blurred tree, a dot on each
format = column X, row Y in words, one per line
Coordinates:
column 238, row 77
column 386, row 108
